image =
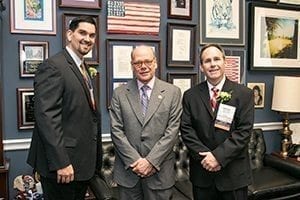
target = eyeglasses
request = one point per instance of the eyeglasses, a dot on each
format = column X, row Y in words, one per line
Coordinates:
column 139, row 64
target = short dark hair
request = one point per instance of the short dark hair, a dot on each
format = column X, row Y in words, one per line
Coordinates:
column 211, row 45
column 75, row 22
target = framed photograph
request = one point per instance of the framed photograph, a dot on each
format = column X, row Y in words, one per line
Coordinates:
column 275, row 39
column 259, row 93
column 92, row 57
column 89, row 4
column 293, row 2
column 33, row 17
column 181, row 45
column 222, row 22
column 25, row 100
column 183, row 80
column 119, row 61
column 235, row 65
column 31, row 55
column 180, row 9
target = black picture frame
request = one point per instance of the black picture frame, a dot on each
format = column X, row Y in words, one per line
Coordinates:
column 181, row 45
column 180, row 9
column 95, row 4
column 268, row 48
column 25, row 101
column 183, row 80
column 118, row 61
column 235, row 59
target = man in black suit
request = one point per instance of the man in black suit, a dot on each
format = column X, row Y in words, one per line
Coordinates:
column 217, row 135
column 66, row 143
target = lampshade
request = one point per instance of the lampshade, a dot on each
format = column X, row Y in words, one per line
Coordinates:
column 286, row 94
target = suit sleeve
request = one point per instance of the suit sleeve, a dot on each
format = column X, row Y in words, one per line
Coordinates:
column 48, row 113
column 237, row 143
column 125, row 150
column 165, row 144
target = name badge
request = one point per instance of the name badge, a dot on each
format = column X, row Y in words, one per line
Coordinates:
column 224, row 116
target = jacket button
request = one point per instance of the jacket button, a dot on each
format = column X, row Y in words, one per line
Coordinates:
column 142, row 139
column 95, row 139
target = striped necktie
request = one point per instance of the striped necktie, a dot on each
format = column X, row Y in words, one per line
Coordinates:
column 144, row 99
column 213, row 99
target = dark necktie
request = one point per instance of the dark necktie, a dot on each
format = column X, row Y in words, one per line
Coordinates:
column 213, row 100
column 144, row 99
column 88, row 83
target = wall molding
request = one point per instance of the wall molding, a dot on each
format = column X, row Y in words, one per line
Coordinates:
column 23, row 144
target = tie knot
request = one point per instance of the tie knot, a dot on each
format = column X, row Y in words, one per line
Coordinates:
column 144, row 88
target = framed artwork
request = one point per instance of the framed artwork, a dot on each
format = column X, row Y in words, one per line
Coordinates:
column 25, row 100
column 258, row 93
column 181, row 45
column 33, row 17
column 90, row 4
column 235, row 65
column 31, row 55
column 183, row 80
column 293, row 2
column 92, row 57
column 180, row 9
column 119, row 61
column 275, row 39
column 222, row 22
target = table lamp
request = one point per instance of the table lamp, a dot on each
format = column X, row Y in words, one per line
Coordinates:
column 286, row 100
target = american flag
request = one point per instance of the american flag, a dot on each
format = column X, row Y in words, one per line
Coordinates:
column 133, row 17
column 232, row 68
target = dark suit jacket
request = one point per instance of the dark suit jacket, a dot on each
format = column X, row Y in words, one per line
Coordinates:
column 67, row 129
column 152, row 138
column 229, row 147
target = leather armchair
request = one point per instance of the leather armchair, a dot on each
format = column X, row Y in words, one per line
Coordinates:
column 273, row 177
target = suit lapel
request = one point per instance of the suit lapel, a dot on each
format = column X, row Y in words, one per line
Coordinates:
column 79, row 76
column 133, row 97
column 204, row 95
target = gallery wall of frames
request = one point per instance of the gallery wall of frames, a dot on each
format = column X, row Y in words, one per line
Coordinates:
column 261, row 39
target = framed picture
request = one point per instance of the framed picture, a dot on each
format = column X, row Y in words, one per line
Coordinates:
column 119, row 61
column 183, row 80
column 235, row 65
column 25, row 100
column 293, row 2
column 275, row 39
column 259, row 94
column 90, row 4
column 31, row 55
column 180, row 9
column 33, row 17
column 92, row 57
column 181, row 45
column 222, row 22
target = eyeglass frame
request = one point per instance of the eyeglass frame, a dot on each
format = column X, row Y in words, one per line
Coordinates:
column 139, row 64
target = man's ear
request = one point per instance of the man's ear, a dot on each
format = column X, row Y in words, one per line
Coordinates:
column 68, row 36
column 200, row 66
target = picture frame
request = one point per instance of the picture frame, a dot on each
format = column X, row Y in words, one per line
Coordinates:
column 183, row 80
column 28, row 18
column 91, row 4
column 293, row 2
column 25, row 101
column 269, row 47
column 259, row 93
column 180, row 9
column 92, row 58
column 214, row 28
column 181, row 45
column 119, row 61
column 235, row 64
column 31, row 55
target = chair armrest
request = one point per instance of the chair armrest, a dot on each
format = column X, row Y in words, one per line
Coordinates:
column 280, row 164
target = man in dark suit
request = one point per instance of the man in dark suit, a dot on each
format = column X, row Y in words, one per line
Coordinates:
column 144, row 129
column 217, row 135
column 66, row 143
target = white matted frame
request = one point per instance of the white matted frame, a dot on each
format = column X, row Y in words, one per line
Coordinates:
column 275, row 39
column 33, row 17
column 180, row 9
column 293, row 2
column 222, row 22
column 258, row 93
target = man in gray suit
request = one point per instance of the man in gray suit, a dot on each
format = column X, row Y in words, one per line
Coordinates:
column 144, row 129
column 66, row 142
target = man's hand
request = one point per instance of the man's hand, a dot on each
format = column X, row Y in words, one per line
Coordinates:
column 209, row 162
column 143, row 168
column 65, row 175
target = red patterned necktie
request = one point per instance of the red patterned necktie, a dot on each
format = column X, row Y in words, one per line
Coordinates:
column 213, row 100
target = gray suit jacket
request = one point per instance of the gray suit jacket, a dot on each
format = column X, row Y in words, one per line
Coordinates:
column 152, row 138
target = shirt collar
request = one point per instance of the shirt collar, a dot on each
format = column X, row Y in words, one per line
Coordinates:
column 76, row 59
column 219, row 86
column 150, row 83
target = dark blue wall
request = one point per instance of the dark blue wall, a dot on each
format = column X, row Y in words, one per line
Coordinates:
column 11, row 79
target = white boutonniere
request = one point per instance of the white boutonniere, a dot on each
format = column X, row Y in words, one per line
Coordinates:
column 93, row 72
column 224, row 96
